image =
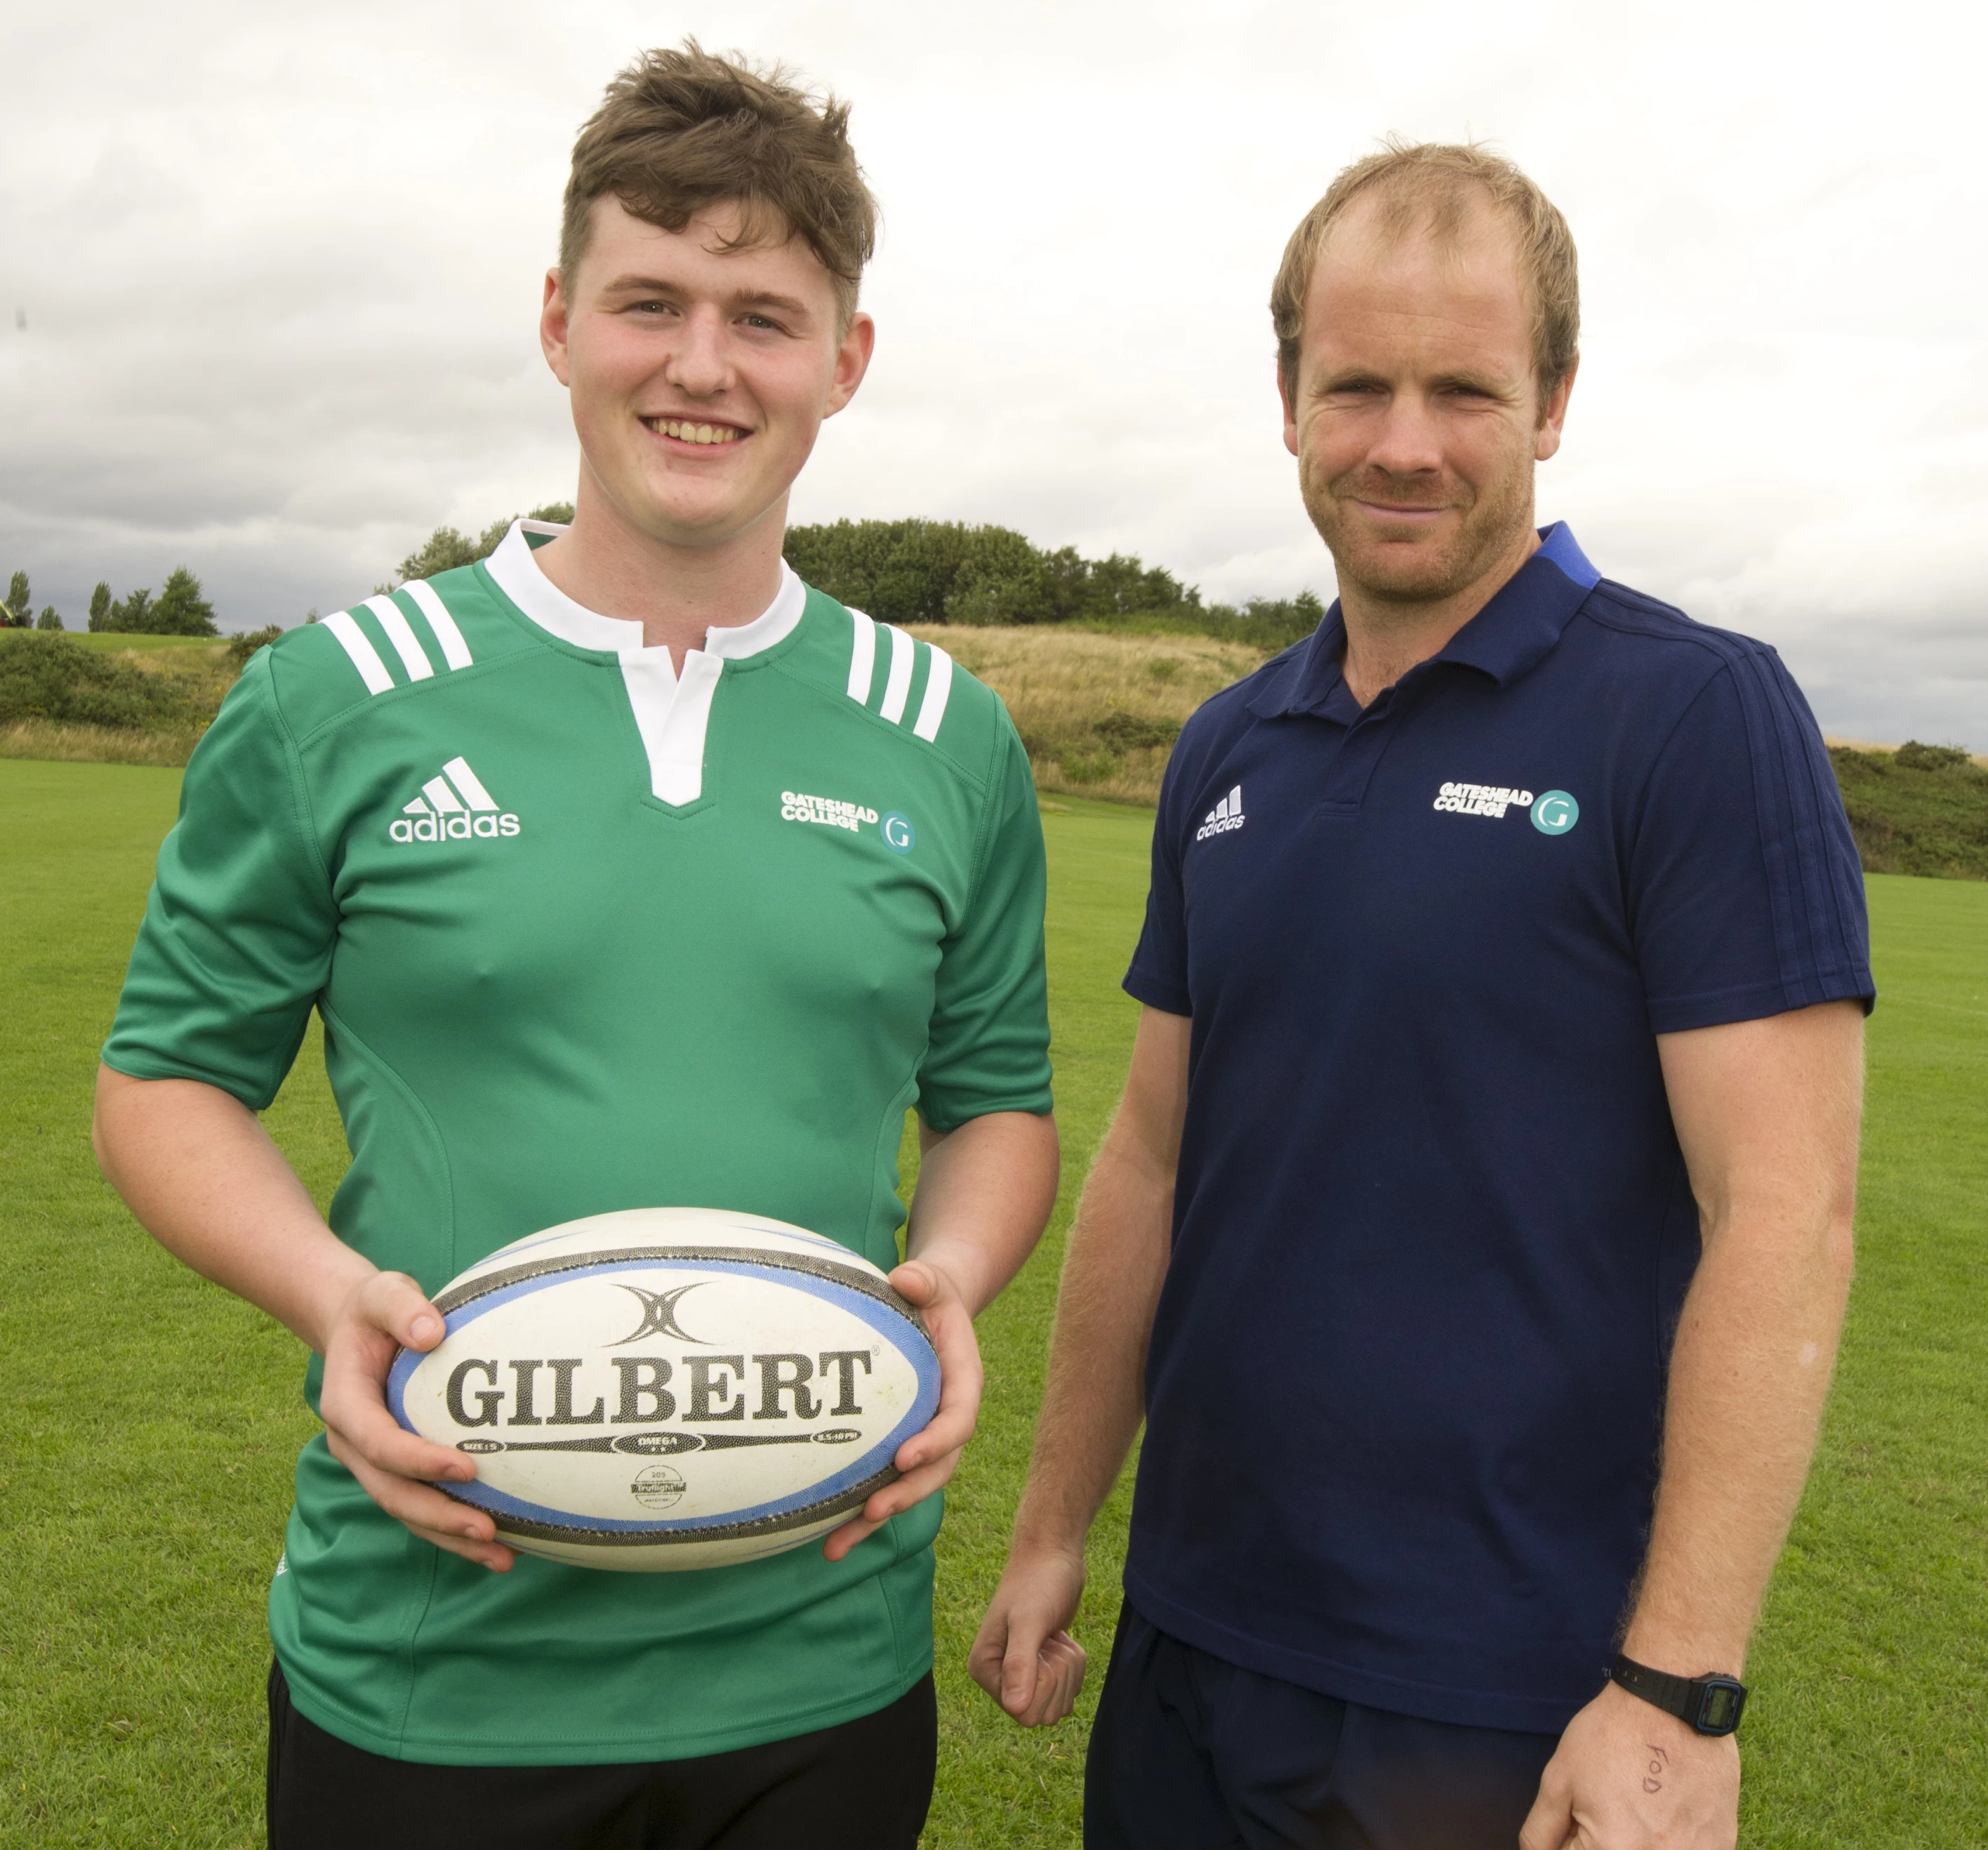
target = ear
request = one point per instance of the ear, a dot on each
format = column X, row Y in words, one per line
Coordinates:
column 553, row 328
column 852, row 361
column 1290, row 415
column 1552, row 415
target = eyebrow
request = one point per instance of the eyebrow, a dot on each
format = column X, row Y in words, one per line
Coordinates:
column 750, row 299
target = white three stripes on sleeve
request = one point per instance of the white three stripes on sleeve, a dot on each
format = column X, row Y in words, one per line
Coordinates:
column 897, row 681
column 414, row 658
column 406, row 644
column 862, row 658
column 897, row 686
column 365, row 658
column 455, row 650
column 938, row 687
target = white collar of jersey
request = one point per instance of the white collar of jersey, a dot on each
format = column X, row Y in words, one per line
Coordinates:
column 520, row 578
column 672, row 711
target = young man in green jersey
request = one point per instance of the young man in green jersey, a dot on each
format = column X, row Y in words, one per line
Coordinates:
column 623, row 870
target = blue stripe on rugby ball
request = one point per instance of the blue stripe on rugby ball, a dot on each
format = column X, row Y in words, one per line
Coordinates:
column 879, row 1316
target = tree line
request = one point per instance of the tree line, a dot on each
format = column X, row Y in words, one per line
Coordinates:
column 950, row 572
column 179, row 610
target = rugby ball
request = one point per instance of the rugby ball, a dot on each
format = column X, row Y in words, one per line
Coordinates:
column 670, row 1388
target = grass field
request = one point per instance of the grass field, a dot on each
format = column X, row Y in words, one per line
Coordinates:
column 147, row 1420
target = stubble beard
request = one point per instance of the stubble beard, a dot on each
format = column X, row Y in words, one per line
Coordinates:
column 1429, row 573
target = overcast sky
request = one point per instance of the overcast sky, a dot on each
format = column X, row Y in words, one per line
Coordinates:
column 270, row 283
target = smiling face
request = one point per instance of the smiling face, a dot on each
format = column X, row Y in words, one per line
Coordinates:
column 1416, row 419
column 699, row 376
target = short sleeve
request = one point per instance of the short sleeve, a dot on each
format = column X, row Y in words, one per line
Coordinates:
column 1746, row 895
column 239, row 927
column 1158, row 973
column 989, row 1045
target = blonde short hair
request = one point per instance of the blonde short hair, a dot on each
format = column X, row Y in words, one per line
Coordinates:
column 1435, row 184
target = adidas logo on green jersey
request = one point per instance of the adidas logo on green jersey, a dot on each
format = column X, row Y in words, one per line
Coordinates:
column 453, row 806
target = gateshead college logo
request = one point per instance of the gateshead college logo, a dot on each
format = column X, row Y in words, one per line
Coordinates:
column 1553, row 812
column 832, row 811
column 453, row 806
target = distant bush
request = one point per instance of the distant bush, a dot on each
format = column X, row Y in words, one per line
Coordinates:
column 56, row 678
column 240, row 647
column 446, row 549
column 50, row 618
column 1913, row 756
column 1922, row 809
column 946, row 571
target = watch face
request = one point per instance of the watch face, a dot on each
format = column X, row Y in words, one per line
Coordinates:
column 1719, row 1713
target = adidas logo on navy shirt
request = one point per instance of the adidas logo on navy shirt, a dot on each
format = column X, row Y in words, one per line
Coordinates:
column 453, row 806
column 1226, row 815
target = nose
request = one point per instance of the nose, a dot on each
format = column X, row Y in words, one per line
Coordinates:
column 1407, row 442
column 698, row 366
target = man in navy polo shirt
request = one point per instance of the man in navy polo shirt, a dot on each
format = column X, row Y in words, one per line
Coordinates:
column 1479, row 1202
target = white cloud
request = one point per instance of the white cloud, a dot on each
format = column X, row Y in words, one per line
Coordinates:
column 280, row 271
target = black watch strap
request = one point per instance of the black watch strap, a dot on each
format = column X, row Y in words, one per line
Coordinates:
column 1710, row 1704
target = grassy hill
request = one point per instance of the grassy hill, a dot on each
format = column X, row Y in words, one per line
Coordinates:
column 105, row 699
column 1919, row 810
column 1098, row 707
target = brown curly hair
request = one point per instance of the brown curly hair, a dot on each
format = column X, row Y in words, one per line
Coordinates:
column 681, row 129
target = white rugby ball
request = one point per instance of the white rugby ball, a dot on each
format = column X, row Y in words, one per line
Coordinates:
column 669, row 1387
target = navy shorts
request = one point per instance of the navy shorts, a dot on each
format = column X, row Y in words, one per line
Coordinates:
column 1191, row 1753
column 861, row 1785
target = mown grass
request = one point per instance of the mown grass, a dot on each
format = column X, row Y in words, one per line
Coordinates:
column 149, row 1420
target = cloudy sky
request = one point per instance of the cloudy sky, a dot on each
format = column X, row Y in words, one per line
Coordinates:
column 269, row 282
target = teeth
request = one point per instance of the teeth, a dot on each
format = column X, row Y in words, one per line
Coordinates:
column 696, row 433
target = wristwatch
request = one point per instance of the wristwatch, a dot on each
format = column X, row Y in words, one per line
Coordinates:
column 1710, row 1704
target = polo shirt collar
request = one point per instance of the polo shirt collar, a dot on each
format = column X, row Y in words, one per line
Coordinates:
column 1520, row 625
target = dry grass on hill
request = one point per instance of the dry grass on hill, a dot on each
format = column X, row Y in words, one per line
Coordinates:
column 181, row 687
column 1099, row 714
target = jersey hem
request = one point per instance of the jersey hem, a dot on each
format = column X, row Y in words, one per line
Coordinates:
column 464, row 1750
column 1757, row 1001
column 130, row 1067
column 1038, row 1104
column 1156, row 995
column 1347, row 1682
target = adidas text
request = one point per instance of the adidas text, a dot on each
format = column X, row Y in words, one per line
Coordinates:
column 795, row 807
column 1489, row 799
column 1226, row 815
column 453, row 806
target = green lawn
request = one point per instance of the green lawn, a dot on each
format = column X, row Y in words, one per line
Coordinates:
column 137, row 1538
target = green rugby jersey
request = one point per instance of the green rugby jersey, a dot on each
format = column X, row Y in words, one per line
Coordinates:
column 585, row 934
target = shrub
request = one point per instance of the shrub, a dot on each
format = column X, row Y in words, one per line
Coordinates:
column 240, row 647
column 446, row 549
column 1913, row 756
column 54, row 678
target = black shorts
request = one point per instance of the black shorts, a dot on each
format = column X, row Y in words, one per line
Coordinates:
column 860, row 1785
column 1191, row 1753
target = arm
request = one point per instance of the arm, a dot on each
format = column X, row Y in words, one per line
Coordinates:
column 984, row 1195
column 1766, row 1114
column 197, row 1169
column 1024, row 1657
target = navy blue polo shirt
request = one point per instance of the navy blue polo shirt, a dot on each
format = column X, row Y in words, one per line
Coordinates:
column 1432, row 1228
